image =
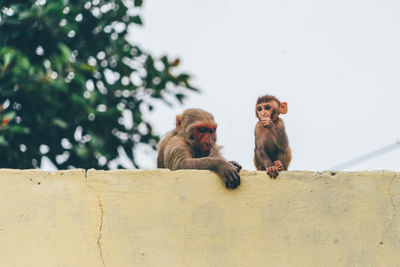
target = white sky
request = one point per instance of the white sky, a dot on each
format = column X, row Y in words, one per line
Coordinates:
column 336, row 63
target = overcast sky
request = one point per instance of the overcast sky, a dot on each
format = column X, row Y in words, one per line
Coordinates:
column 336, row 63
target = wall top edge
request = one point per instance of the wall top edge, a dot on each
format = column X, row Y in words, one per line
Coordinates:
column 246, row 172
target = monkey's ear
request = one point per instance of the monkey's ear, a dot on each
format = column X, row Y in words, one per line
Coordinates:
column 179, row 121
column 283, row 108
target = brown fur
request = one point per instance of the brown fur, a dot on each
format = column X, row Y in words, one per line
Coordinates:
column 179, row 149
column 272, row 151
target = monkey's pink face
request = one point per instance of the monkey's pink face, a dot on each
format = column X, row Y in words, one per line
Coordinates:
column 204, row 133
column 265, row 113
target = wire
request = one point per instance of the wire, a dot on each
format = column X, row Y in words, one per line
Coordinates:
column 367, row 156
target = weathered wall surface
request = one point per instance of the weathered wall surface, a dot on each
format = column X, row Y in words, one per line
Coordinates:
column 187, row 218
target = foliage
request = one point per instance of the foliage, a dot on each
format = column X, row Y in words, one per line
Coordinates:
column 72, row 88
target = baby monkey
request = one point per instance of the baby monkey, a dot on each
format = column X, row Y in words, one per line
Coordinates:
column 272, row 151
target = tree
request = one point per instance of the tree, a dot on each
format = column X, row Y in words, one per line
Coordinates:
column 72, row 88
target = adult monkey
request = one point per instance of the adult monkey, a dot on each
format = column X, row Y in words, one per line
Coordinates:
column 192, row 145
column 272, row 151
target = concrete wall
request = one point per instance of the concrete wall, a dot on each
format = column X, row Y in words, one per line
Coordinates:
column 187, row 218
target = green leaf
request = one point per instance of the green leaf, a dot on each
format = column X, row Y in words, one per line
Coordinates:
column 137, row 20
column 24, row 63
column 65, row 51
column 96, row 141
column 8, row 57
column 138, row 3
column 26, row 14
column 180, row 97
column 87, row 67
column 3, row 141
column 16, row 129
column 82, row 152
column 54, row 7
column 10, row 115
column 60, row 123
column 77, row 99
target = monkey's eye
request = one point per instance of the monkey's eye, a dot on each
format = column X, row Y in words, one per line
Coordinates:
column 202, row 130
column 259, row 109
column 268, row 107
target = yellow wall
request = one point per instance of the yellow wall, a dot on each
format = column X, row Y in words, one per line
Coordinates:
column 188, row 218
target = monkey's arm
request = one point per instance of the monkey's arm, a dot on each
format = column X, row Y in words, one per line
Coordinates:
column 260, row 140
column 174, row 152
column 177, row 156
column 262, row 157
column 285, row 157
column 215, row 152
column 282, row 139
column 206, row 163
column 227, row 171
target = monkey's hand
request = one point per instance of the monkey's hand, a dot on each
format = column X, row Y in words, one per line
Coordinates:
column 235, row 164
column 279, row 165
column 265, row 121
column 272, row 171
column 229, row 175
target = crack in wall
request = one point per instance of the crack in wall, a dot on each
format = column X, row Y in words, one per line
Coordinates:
column 101, row 220
column 393, row 208
column 318, row 176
